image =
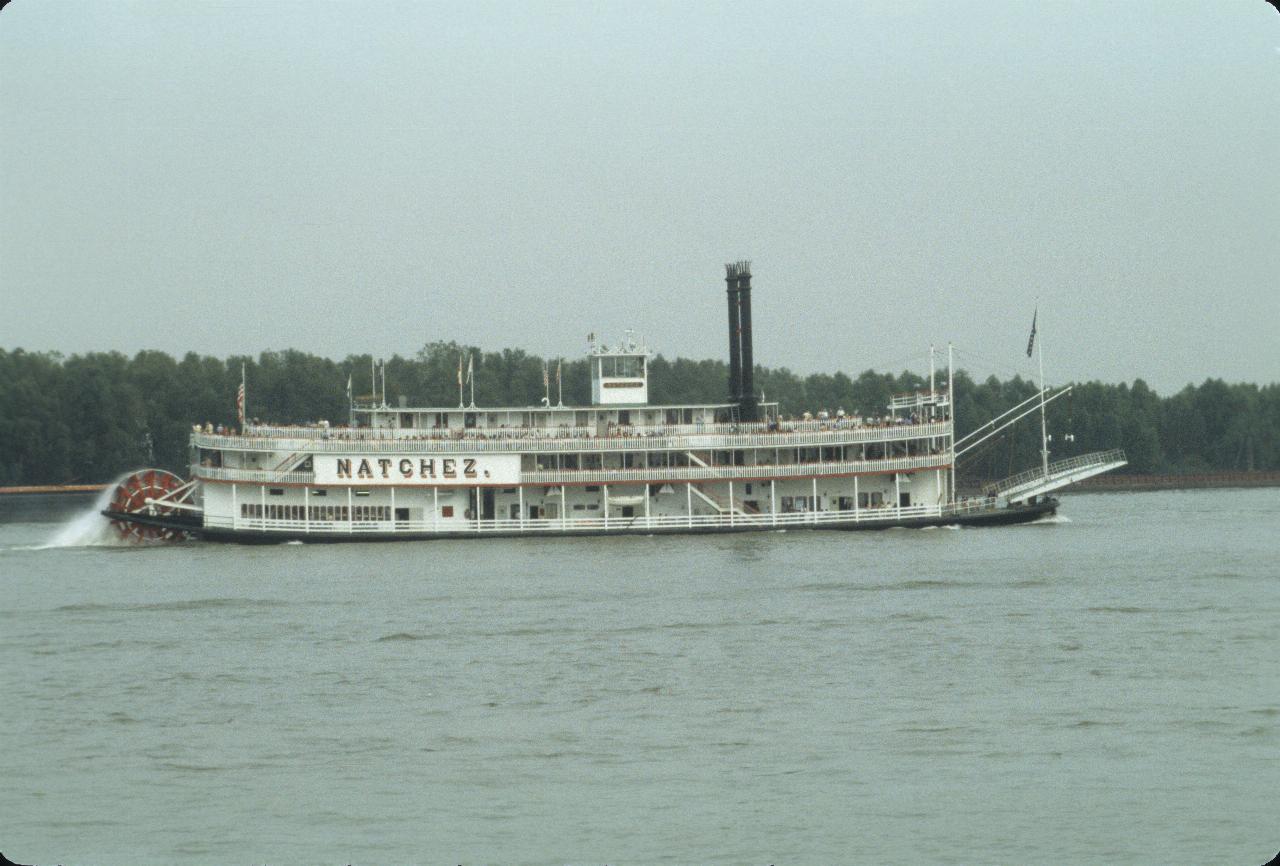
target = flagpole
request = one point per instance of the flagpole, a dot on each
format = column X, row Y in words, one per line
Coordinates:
column 461, row 403
column 471, row 378
column 1044, row 430
column 951, row 411
column 559, row 384
column 244, row 407
column 931, row 371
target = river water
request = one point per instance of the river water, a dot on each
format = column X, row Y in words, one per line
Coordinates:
column 1104, row 688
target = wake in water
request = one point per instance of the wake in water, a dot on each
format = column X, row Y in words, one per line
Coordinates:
column 89, row 528
column 1048, row 520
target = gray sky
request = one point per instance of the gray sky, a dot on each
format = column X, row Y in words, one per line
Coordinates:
column 352, row 177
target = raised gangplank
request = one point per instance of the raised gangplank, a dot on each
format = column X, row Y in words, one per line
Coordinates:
column 1036, row 482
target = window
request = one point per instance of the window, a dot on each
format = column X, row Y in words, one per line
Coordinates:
column 319, row 492
column 276, row 491
column 446, row 511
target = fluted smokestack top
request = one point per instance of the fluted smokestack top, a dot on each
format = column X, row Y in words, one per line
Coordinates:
column 734, row 270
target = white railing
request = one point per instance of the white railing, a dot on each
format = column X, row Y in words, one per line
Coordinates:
column 887, row 514
column 572, row 432
column 918, row 398
column 263, row 476
column 654, row 474
column 526, row 441
column 657, row 474
column 1096, row 458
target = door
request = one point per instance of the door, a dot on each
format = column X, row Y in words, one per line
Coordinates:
column 487, row 507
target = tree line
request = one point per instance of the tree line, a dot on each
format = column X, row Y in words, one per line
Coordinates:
column 88, row 418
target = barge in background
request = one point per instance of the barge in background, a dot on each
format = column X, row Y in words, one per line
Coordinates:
column 617, row 466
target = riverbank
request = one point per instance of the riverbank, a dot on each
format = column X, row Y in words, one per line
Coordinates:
column 53, row 488
column 1118, row 483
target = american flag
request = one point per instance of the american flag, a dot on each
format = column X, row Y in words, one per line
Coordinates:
column 240, row 403
column 1031, row 342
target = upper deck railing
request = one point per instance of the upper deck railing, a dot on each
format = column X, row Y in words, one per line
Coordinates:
column 656, row 474
column 584, row 432
column 916, row 399
column 565, row 439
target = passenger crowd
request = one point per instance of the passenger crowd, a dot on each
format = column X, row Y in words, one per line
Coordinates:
column 808, row 422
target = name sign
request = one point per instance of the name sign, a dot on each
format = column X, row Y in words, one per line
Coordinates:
column 501, row 469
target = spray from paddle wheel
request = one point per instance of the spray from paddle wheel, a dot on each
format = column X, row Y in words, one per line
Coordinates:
column 152, row 495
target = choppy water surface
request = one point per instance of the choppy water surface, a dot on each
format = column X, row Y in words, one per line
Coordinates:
column 1100, row 690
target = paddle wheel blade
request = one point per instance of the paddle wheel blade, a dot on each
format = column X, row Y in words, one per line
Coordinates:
column 131, row 497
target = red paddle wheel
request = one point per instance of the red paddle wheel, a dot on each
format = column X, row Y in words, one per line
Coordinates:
column 131, row 497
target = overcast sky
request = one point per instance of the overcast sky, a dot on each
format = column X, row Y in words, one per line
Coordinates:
column 351, row 177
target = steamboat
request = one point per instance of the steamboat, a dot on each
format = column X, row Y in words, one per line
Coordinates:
column 617, row 466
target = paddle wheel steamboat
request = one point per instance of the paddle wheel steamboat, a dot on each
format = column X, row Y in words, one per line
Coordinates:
column 617, row 466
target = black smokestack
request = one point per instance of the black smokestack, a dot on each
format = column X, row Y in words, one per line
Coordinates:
column 735, row 334
column 749, row 409
column 742, row 390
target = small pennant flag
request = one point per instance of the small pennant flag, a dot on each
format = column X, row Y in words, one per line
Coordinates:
column 1032, row 341
column 348, row 389
column 558, row 372
column 471, row 369
column 459, row 370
